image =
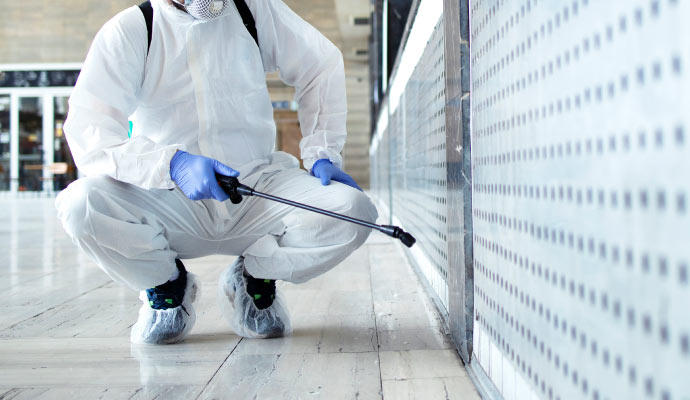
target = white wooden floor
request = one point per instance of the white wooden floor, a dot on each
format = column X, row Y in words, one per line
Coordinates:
column 364, row 330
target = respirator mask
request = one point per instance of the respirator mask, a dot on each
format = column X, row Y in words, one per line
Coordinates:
column 205, row 9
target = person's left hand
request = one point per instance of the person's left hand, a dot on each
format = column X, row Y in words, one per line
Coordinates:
column 326, row 171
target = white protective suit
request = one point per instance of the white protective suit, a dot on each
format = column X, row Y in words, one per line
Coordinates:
column 202, row 89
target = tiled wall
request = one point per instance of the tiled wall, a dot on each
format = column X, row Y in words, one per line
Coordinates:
column 580, row 197
column 576, row 116
column 408, row 159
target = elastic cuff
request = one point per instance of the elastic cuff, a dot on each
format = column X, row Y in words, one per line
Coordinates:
column 322, row 153
column 164, row 170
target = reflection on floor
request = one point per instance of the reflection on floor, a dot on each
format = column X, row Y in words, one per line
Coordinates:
column 364, row 330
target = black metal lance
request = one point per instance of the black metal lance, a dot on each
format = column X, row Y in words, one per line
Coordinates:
column 236, row 190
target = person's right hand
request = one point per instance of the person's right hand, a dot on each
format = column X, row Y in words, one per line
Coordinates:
column 196, row 176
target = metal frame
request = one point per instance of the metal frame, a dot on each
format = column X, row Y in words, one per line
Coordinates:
column 47, row 96
column 40, row 66
column 459, row 316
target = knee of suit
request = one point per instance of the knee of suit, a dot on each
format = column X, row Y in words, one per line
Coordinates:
column 358, row 206
column 73, row 205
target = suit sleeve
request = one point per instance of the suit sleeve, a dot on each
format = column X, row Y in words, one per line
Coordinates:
column 105, row 95
column 307, row 60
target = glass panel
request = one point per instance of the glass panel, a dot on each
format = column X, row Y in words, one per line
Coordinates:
column 4, row 142
column 64, row 171
column 30, row 144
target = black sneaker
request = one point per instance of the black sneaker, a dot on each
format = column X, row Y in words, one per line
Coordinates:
column 171, row 293
column 262, row 291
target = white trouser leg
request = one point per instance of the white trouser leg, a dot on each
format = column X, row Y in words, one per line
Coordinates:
column 297, row 245
column 135, row 234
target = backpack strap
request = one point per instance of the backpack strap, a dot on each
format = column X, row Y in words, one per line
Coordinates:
column 245, row 13
column 147, row 10
column 247, row 18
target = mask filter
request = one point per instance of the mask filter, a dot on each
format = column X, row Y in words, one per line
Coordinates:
column 205, row 9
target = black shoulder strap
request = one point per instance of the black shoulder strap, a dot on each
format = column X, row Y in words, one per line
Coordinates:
column 245, row 13
column 147, row 10
column 247, row 19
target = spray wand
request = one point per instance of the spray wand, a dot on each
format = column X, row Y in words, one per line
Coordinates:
column 236, row 190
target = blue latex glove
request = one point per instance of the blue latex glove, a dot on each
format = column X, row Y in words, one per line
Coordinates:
column 326, row 171
column 196, row 176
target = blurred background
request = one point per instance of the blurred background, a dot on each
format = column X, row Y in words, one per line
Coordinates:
column 42, row 44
